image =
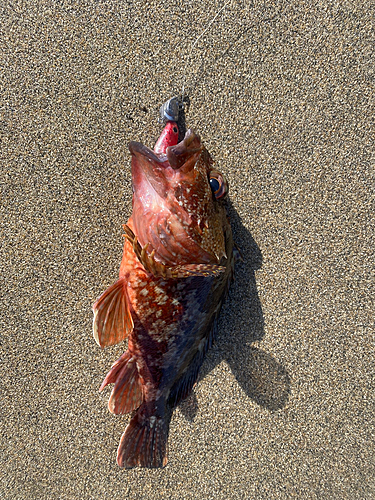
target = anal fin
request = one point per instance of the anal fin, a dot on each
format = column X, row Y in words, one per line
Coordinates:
column 126, row 394
column 112, row 318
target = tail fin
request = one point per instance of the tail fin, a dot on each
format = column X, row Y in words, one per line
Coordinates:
column 144, row 442
column 112, row 318
column 126, row 395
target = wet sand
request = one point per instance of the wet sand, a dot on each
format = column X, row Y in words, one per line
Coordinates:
column 282, row 96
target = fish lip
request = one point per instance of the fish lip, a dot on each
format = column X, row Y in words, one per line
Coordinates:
column 139, row 148
column 185, row 153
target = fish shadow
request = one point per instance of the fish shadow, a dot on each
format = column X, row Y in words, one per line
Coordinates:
column 241, row 322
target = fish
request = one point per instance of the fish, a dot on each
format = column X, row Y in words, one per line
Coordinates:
column 176, row 269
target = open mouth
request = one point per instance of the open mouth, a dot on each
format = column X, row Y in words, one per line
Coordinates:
column 141, row 149
column 176, row 156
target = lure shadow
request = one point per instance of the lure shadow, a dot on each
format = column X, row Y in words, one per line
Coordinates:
column 241, row 323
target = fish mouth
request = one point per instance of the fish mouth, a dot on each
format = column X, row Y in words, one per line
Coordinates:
column 137, row 148
column 176, row 156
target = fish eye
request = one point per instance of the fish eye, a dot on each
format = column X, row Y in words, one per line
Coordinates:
column 218, row 185
column 215, row 185
column 175, row 130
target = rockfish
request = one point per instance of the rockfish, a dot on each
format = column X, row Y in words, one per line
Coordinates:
column 176, row 268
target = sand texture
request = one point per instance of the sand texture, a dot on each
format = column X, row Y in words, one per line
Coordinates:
column 282, row 95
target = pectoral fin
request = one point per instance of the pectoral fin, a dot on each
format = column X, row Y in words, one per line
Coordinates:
column 112, row 318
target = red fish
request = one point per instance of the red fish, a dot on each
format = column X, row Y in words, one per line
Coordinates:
column 176, row 268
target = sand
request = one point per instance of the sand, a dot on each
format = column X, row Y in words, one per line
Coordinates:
column 282, row 95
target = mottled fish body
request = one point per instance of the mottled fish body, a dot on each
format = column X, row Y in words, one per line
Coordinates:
column 176, row 268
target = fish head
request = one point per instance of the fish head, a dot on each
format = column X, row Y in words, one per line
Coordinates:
column 178, row 208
